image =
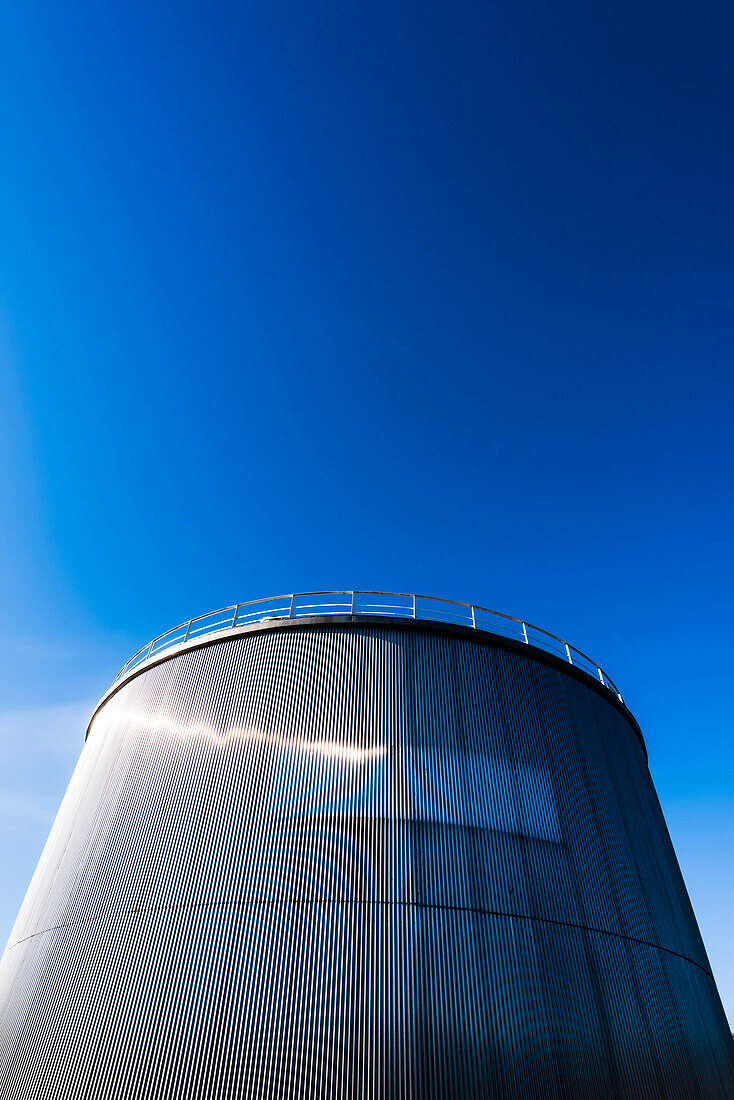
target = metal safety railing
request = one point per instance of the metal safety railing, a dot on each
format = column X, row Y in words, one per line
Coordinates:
column 400, row 605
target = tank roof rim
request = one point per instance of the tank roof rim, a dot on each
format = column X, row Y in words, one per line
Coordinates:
column 335, row 620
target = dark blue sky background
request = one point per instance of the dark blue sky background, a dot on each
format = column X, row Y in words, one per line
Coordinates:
column 426, row 298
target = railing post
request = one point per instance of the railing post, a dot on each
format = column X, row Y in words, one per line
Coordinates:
column 525, row 632
column 473, row 617
column 234, row 617
column 414, row 605
column 568, row 651
column 188, row 631
column 293, row 600
column 352, row 611
column 600, row 676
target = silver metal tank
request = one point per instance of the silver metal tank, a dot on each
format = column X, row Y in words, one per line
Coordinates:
column 360, row 849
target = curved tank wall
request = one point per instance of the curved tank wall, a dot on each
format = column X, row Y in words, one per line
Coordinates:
column 360, row 861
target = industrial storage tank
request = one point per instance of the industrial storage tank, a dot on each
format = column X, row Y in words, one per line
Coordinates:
column 360, row 845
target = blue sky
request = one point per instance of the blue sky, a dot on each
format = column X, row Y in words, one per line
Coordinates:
column 425, row 298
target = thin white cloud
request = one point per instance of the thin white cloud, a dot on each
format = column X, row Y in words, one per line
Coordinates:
column 39, row 747
column 21, row 809
column 36, row 650
column 56, row 730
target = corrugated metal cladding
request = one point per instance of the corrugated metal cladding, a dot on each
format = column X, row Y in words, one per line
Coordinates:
column 359, row 861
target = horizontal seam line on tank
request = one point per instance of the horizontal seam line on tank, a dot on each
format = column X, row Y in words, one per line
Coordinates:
column 359, row 901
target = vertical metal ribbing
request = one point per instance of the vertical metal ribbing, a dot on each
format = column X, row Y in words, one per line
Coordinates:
column 359, row 861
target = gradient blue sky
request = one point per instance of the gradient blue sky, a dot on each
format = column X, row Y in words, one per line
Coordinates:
column 435, row 298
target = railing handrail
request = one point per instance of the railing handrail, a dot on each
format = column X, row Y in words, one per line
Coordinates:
column 412, row 611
